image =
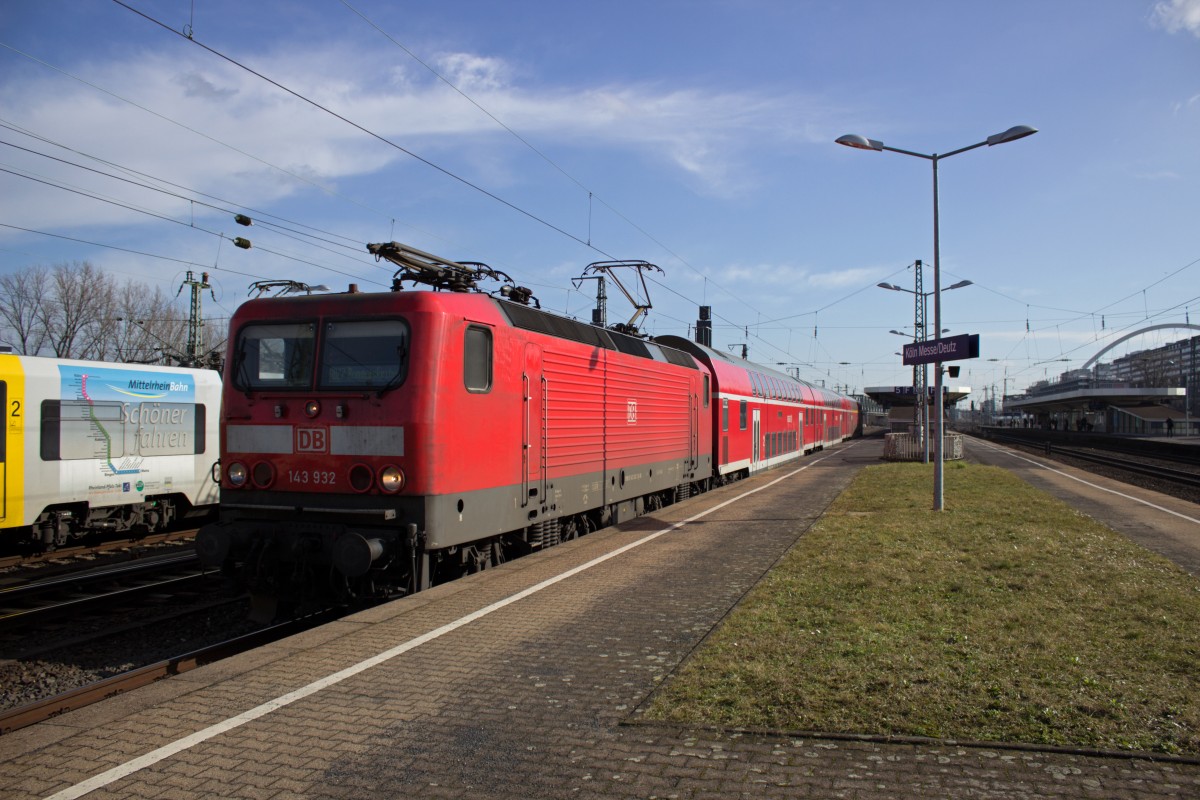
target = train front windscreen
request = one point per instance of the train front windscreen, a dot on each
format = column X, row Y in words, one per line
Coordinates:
column 354, row 355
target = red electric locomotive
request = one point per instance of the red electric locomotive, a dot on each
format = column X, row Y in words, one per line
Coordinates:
column 373, row 444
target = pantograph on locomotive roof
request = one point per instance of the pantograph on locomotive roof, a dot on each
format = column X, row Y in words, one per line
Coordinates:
column 442, row 274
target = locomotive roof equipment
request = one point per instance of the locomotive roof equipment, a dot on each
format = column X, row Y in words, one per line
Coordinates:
column 442, row 274
column 606, row 268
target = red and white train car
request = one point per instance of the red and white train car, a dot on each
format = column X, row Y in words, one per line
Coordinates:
column 764, row 417
column 407, row 437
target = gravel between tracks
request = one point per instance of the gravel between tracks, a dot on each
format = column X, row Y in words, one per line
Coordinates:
column 28, row 675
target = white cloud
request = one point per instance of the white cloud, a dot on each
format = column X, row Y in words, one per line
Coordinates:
column 844, row 278
column 783, row 277
column 188, row 110
column 472, row 73
column 1186, row 104
column 1160, row 175
column 1178, row 15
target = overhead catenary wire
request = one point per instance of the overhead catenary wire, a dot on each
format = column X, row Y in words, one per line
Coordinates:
column 1037, row 323
column 196, row 227
column 262, row 217
column 591, row 195
column 380, row 137
column 423, row 160
column 300, row 96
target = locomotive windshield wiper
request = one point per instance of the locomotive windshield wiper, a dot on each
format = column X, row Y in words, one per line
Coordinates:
column 401, row 369
column 243, row 377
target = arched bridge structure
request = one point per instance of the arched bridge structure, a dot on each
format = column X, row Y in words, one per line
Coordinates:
column 1139, row 410
column 1128, row 336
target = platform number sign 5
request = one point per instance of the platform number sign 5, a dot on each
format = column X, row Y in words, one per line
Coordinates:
column 631, row 412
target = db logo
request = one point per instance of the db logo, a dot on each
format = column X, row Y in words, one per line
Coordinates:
column 312, row 440
column 631, row 412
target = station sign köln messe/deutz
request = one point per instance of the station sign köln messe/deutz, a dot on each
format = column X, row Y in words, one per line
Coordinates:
column 954, row 348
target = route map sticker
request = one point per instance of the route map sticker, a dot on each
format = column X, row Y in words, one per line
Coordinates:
column 120, row 416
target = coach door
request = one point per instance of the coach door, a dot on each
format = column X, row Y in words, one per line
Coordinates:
column 694, row 434
column 533, row 428
column 756, row 429
column 4, row 452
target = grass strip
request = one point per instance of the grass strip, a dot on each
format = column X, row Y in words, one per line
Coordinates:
column 1008, row 617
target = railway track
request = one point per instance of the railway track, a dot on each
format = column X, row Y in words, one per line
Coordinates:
column 1190, row 477
column 1160, row 470
column 81, row 592
column 115, row 548
column 32, row 713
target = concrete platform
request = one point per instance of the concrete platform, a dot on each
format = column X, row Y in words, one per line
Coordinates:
column 526, row 682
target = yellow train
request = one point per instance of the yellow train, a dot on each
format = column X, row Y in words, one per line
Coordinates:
column 93, row 447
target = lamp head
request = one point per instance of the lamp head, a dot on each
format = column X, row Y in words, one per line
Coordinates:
column 1011, row 135
column 859, row 142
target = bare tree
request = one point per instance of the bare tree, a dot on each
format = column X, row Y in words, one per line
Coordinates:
column 216, row 339
column 146, row 329
column 81, row 299
column 22, row 296
column 79, row 311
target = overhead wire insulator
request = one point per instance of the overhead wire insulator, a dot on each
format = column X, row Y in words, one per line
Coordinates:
column 242, row 243
column 242, row 219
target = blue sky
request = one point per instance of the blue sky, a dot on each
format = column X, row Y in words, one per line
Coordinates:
column 698, row 136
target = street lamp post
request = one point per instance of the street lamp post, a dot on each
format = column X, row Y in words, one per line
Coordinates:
column 920, row 374
column 863, row 143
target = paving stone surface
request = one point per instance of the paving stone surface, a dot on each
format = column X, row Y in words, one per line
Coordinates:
column 541, row 697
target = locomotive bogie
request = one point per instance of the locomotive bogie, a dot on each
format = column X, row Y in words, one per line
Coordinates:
column 92, row 447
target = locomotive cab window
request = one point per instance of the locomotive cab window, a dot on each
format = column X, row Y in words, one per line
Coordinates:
column 477, row 359
column 274, row 356
column 364, row 354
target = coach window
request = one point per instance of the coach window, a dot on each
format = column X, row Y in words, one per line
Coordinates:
column 71, row 429
column 477, row 359
column 364, row 354
column 724, row 414
column 707, row 390
column 743, row 415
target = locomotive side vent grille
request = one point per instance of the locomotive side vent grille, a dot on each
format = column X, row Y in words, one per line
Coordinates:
column 531, row 319
column 632, row 346
column 678, row 358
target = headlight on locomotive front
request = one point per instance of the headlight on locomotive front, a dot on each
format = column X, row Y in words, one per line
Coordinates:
column 237, row 474
column 391, row 479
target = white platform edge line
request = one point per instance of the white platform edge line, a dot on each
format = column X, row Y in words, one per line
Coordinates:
column 179, row 745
